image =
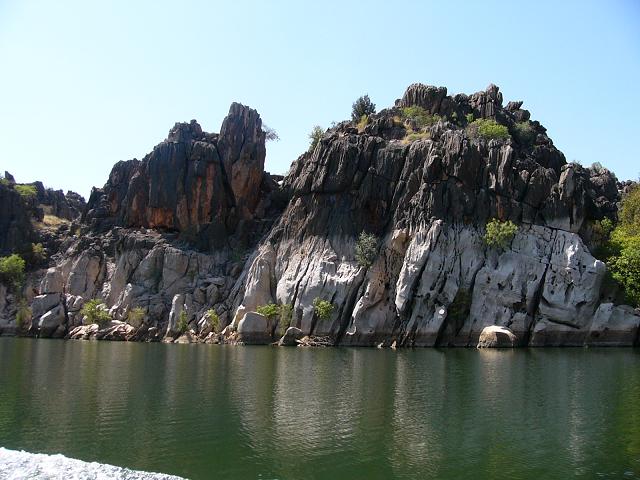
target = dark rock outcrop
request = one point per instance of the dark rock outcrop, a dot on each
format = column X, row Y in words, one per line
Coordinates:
column 68, row 207
column 205, row 186
column 16, row 229
column 20, row 215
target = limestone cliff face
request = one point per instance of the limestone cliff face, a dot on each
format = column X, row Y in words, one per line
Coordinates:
column 426, row 197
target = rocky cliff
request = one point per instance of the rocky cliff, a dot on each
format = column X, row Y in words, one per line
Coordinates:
column 198, row 227
column 22, row 215
column 208, row 187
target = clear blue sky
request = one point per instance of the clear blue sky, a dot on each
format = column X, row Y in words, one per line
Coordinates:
column 84, row 83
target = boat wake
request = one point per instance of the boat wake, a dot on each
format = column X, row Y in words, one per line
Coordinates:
column 16, row 465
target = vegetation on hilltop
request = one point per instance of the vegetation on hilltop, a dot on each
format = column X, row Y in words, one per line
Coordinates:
column 488, row 129
column 25, row 190
column 315, row 136
column 361, row 107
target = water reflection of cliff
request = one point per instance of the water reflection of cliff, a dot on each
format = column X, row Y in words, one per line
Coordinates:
column 195, row 410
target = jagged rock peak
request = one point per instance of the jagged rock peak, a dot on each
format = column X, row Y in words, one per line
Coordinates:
column 191, row 182
column 426, row 96
column 184, row 132
column 484, row 104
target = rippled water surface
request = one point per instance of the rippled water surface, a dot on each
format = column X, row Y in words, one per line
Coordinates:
column 207, row 411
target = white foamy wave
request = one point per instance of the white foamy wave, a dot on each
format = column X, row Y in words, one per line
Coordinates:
column 16, row 465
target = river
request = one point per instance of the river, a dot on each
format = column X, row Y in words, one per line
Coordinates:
column 210, row 411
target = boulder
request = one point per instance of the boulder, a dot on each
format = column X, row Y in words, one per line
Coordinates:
column 291, row 337
column 52, row 281
column 495, row 336
column 83, row 332
column 613, row 326
column 115, row 331
column 52, row 323
column 254, row 329
column 187, row 337
column 43, row 303
column 177, row 307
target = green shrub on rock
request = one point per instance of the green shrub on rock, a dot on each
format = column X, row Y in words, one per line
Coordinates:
column 499, row 234
column 38, row 252
column 214, row 320
column 315, row 136
column 270, row 310
column 12, row 271
column 183, row 325
column 362, row 106
column 322, row 308
column 421, row 117
column 95, row 311
column 625, row 265
column 488, row 129
column 364, row 121
column 366, row 249
column 26, row 191
column 630, row 211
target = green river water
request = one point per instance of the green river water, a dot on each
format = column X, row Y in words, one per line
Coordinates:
column 209, row 411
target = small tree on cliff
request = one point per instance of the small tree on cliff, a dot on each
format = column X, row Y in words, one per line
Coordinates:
column 366, row 249
column 361, row 107
column 499, row 234
column 270, row 134
column 322, row 308
column 315, row 136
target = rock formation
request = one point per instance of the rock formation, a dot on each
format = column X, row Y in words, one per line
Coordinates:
column 15, row 222
column 206, row 186
column 21, row 215
column 197, row 227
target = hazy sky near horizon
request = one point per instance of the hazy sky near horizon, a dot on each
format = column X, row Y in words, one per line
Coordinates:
column 85, row 84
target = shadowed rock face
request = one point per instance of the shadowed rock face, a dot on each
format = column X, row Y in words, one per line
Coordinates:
column 68, row 206
column 433, row 280
column 15, row 221
column 18, row 213
column 194, row 182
